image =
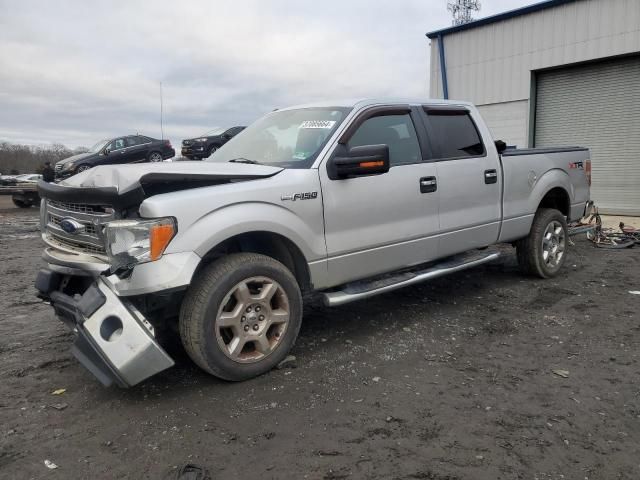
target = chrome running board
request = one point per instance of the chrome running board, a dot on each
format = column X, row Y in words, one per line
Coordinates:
column 387, row 283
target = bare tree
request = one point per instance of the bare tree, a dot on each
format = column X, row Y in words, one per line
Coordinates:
column 16, row 158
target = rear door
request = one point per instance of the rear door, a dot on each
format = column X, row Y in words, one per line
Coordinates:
column 469, row 179
column 137, row 147
column 381, row 223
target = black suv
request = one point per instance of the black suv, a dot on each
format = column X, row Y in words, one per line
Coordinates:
column 129, row 149
column 203, row 146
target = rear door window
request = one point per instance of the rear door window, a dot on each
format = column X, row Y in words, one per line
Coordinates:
column 454, row 133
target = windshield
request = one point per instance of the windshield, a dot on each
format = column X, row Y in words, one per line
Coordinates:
column 214, row 131
column 98, row 146
column 288, row 138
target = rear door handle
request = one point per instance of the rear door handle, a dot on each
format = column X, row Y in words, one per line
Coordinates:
column 428, row 184
column 491, row 176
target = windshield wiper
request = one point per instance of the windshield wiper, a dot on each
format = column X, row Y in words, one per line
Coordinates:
column 244, row 160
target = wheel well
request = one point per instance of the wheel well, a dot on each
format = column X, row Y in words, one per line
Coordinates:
column 557, row 198
column 266, row 243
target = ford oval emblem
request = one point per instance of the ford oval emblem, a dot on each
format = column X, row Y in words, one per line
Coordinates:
column 69, row 225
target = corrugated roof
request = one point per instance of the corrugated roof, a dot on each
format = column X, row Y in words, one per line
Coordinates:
column 501, row 16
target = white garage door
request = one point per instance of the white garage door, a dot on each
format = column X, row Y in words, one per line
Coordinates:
column 597, row 106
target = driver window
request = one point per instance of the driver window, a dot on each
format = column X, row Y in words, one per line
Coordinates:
column 116, row 144
column 396, row 131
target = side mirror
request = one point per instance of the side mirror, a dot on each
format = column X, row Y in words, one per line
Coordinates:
column 359, row 161
column 500, row 146
column 106, row 151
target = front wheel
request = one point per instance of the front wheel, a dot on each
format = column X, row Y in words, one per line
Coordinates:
column 212, row 150
column 241, row 316
column 21, row 203
column 543, row 252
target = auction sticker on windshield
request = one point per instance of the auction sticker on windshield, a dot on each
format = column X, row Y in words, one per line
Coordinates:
column 328, row 124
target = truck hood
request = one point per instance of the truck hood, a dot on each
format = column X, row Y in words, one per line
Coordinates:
column 127, row 185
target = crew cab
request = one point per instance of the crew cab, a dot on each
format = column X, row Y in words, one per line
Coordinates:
column 116, row 151
column 337, row 200
column 206, row 144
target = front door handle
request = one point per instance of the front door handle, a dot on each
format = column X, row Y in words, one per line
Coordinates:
column 491, row 176
column 428, row 184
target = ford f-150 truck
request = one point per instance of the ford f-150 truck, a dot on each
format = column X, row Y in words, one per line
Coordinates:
column 341, row 200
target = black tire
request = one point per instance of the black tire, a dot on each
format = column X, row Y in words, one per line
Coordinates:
column 529, row 250
column 199, row 312
column 212, row 150
column 21, row 203
column 155, row 157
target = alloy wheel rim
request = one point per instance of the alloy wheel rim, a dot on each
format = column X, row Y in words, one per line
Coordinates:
column 553, row 244
column 156, row 157
column 252, row 319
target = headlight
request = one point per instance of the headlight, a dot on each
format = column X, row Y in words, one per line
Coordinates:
column 67, row 166
column 130, row 242
column 204, row 139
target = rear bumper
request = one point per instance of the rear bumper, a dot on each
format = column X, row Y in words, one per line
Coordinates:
column 113, row 340
column 168, row 153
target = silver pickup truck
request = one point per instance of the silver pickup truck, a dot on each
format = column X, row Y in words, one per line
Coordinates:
column 339, row 200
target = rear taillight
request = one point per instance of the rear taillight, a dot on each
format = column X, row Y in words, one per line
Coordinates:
column 587, row 171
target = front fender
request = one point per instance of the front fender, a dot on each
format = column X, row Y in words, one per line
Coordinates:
column 222, row 224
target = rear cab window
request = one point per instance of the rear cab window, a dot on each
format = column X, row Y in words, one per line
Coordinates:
column 453, row 133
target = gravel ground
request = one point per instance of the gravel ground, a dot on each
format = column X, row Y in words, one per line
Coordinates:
column 452, row 379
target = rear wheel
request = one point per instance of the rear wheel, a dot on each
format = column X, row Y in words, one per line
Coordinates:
column 241, row 316
column 155, row 157
column 543, row 252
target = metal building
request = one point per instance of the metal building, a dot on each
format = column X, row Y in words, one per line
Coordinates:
column 560, row 72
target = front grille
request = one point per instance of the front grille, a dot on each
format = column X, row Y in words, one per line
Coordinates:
column 88, row 240
column 82, row 208
column 89, row 228
column 75, row 246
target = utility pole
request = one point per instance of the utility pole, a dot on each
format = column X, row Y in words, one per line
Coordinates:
column 161, row 126
column 461, row 10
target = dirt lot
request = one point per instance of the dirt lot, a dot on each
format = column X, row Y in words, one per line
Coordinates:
column 448, row 380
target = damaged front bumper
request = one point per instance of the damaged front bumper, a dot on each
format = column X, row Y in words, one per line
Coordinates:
column 113, row 339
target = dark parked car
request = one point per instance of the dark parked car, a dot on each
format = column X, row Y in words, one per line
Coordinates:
column 203, row 146
column 129, row 149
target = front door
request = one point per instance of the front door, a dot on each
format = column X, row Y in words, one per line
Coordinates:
column 469, row 180
column 118, row 152
column 380, row 223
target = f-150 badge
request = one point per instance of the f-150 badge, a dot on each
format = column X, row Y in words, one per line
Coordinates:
column 300, row 196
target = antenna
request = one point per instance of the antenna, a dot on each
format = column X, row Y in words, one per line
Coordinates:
column 461, row 10
column 161, row 126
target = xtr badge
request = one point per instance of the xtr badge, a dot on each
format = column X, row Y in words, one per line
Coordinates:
column 300, row 196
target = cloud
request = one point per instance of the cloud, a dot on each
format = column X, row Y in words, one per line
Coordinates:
column 77, row 71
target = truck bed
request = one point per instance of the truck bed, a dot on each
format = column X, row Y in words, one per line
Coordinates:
column 529, row 174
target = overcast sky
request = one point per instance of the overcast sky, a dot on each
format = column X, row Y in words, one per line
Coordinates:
column 77, row 71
